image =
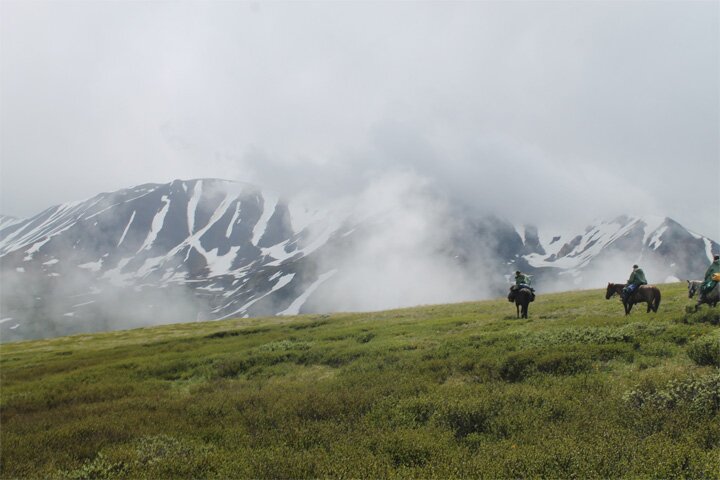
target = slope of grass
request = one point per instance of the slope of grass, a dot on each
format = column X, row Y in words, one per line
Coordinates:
column 460, row 390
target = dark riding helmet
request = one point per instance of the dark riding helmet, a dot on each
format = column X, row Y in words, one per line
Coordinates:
column 716, row 257
column 517, row 272
column 635, row 266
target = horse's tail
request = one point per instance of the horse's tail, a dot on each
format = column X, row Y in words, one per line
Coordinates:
column 657, row 300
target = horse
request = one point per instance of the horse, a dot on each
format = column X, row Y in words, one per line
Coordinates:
column 711, row 298
column 522, row 298
column 644, row 293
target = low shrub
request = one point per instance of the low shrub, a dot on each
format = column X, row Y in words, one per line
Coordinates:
column 232, row 367
column 563, row 363
column 588, row 335
column 464, row 416
column 99, row 467
column 406, row 447
column 409, row 412
column 703, row 315
column 698, row 394
column 148, row 457
column 364, row 337
column 518, row 366
column 705, row 350
column 284, row 346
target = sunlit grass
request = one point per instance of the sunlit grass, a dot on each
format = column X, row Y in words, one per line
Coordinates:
column 460, row 390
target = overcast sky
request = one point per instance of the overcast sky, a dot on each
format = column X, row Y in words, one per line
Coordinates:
column 539, row 111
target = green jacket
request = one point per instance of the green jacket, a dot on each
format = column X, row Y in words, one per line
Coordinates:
column 712, row 269
column 637, row 277
column 522, row 278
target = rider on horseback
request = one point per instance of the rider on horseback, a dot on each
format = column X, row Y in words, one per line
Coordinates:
column 522, row 280
column 637, row 278
column 708, row 282
column 521, row 293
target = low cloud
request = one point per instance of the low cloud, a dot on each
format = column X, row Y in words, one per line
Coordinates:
column 56, row 298
column 402, row 253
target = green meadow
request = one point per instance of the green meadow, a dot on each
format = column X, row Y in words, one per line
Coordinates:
column 442, row 391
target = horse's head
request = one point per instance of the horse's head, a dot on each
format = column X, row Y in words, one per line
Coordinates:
column 692, row 287
column 610, row 291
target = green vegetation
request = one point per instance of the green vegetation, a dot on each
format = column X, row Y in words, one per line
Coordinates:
column 463, row 390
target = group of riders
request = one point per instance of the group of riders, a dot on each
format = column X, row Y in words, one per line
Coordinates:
column 637, row 279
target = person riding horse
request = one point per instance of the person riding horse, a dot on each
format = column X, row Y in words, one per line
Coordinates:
column 708, row 282
column 521, row 293
column 637, row 279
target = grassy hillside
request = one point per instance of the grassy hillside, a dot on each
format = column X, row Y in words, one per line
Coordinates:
column 461, row 390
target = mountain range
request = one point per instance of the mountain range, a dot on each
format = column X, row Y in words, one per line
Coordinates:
column 208, row 249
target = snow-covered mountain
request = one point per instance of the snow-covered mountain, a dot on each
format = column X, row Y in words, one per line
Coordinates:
column 210, row 249
column 185, row 250
column 666, row 250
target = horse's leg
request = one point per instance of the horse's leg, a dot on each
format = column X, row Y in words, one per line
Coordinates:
column 517, row 307
column 525, row 309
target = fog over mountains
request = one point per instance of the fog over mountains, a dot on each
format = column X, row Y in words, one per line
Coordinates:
column 210, row 249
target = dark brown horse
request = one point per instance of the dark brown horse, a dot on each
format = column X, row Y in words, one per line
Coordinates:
column 522, row 298
column 649, row 294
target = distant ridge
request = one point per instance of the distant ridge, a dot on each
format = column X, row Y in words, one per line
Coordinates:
column 208, row 249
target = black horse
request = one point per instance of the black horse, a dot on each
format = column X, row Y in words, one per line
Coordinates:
column 522, row 298
column 649, row 294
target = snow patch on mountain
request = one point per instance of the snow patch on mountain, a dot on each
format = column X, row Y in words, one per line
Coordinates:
column 233, row 220
column 269, row 205
column 297, row 304
column 220, row 264
column 157, row 224
column 116, row 276
column 652, row 223
column 30, row 252
column 92, row 266
column 709, row 249
column 127, row 227
column 282, row 282
column 192, row 205
column 656, row 239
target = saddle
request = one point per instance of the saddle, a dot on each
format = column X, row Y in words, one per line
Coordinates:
column 631, row 292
